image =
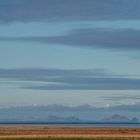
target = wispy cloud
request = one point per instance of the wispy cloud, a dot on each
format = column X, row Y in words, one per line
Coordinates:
column 81, row 108
column 100, row 38
column 61, row 79
column 90, row 38
column 46, row 10
column 121, row 98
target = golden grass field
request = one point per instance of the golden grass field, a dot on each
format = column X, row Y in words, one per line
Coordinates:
column 64, row 133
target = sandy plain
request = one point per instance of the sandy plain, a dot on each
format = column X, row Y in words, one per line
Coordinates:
column 67, row 132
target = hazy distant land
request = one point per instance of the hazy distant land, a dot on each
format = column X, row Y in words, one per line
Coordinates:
column 68, row 114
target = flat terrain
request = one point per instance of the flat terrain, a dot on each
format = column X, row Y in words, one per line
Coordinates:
column 44, row 132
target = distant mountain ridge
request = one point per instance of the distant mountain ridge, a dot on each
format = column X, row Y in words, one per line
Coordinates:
column 116, row 118
column 49, row 119
column 64, row 113
column 63, row 119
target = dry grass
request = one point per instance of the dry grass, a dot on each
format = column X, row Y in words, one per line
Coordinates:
column 66, row 133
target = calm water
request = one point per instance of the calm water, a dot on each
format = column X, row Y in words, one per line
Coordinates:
column 94, row 125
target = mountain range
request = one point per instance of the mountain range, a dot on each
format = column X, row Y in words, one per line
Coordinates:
column 116, row 118
column 68, row 113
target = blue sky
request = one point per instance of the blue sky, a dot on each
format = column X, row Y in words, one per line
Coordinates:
column 69, row 52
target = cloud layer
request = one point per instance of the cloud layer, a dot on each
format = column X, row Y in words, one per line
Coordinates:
column 90, row 38
column 59, row 79
column 82, row 108
column 48, row 10
column 99, row 38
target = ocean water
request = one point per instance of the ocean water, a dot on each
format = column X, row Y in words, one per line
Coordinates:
column 90, row 125
column 100, row 125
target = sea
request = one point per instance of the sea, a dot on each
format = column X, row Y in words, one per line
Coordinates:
column 84, row 125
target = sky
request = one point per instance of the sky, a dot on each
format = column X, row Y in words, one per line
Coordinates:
column 69, row 52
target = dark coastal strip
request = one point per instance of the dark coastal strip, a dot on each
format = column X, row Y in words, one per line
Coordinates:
column 57, row 123
column 131, row 138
